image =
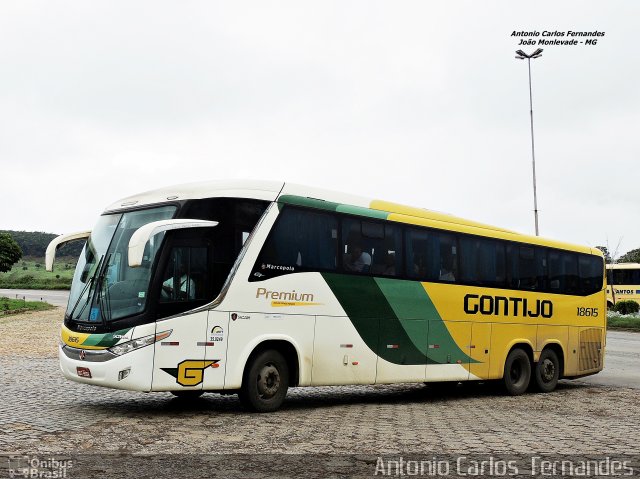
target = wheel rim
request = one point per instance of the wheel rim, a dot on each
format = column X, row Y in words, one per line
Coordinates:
column 547, row 371
column 515, row 373
column 268, row 381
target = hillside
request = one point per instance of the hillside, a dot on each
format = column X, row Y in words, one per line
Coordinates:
column 34, row 243
column 29, row 273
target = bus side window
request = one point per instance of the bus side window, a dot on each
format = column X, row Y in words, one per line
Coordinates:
column 299, row 241
column 563, row 272
column 417, row 251
column 526, row 267
column 387, row 259
column 482, row 261
column 591, row 268
column 360, row 240
column 448, row 268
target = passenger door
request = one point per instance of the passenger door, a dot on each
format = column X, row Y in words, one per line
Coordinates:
column 179, row 361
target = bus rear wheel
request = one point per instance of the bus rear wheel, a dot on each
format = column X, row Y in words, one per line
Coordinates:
column 517, row 372
column 547, row 371
column 265, row 382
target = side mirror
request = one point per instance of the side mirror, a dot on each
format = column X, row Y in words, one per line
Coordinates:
column 50, row 255
column 142, row 235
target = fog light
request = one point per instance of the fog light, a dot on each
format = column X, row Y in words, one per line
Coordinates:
column 123, row 374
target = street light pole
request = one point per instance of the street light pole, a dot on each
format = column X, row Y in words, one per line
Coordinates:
column 521, row 56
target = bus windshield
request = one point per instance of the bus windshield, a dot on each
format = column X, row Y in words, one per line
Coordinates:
column 104, row 287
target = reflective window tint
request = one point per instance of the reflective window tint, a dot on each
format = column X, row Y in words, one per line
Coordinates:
column 448, row 270
column 357, row 250
column 590, row 273
column 563, row 272
column 625, row 276
column 387, row 260
column 482, row 261
column 300, row 241
column 371, row 247
column 422, row 253
column 431, row 255
column 303, row 240
column 527, row 267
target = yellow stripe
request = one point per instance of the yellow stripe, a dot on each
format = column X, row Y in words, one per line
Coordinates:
column 431, row 215
column 75, row 340
column 475, row 230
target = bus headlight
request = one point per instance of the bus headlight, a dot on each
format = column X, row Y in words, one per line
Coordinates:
column 124, row 348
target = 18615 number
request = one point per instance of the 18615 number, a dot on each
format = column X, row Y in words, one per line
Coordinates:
column 588, row 312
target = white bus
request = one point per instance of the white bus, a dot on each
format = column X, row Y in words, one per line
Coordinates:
column 254, row 287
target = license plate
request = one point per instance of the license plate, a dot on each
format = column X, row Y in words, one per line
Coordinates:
column 83, row 372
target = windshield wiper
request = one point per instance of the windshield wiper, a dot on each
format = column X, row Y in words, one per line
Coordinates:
column 103, row 295
column 86, row 286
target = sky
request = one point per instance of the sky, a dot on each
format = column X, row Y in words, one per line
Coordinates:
column 416, row 102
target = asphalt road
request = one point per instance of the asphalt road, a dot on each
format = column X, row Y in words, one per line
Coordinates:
column 55, row 297
column 621, row 362
column 622, row 357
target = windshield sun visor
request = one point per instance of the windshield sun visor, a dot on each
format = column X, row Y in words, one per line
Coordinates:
column 140, row 238
column 50, row 255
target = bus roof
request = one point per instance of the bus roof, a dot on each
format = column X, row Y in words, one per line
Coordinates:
column 624, row 266
column 332, row 200
column 263, row 190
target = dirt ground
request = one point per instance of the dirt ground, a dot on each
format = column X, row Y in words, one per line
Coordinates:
column 18, row 333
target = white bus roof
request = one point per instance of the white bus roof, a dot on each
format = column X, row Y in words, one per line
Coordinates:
column 263, row 190
column 624, row 266
column 272, row 190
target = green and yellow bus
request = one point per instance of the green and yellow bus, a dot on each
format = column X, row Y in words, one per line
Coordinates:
column 623, row 283
column 255, row 287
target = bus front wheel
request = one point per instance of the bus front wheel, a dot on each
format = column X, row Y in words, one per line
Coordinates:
column 547, row 371
column 517, row 372
column 265, row 382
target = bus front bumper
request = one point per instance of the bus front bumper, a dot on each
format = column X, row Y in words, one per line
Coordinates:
column 130, row 371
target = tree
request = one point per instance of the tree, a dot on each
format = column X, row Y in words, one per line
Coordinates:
column 632, row 256
column 10, row 252
column 605, row 251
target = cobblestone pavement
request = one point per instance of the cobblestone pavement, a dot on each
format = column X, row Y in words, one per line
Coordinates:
column 41, row 412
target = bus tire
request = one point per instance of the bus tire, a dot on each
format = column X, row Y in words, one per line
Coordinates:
column 517, row 372
column 265, row 382
column 547, row 371
column 188, row 394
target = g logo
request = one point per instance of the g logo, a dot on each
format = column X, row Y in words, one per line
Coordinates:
column 190, row 372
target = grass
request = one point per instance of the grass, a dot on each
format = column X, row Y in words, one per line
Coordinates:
column 8, row 306
column 29, row 273
column 623, row 321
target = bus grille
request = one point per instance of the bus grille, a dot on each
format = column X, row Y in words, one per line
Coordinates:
column 590, row 350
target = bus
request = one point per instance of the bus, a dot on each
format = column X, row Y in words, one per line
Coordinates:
column 251, row 288
column 623, row 283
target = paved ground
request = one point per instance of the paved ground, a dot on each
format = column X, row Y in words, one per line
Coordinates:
column 622, row 361
column 41, row 413
column 51, row 296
